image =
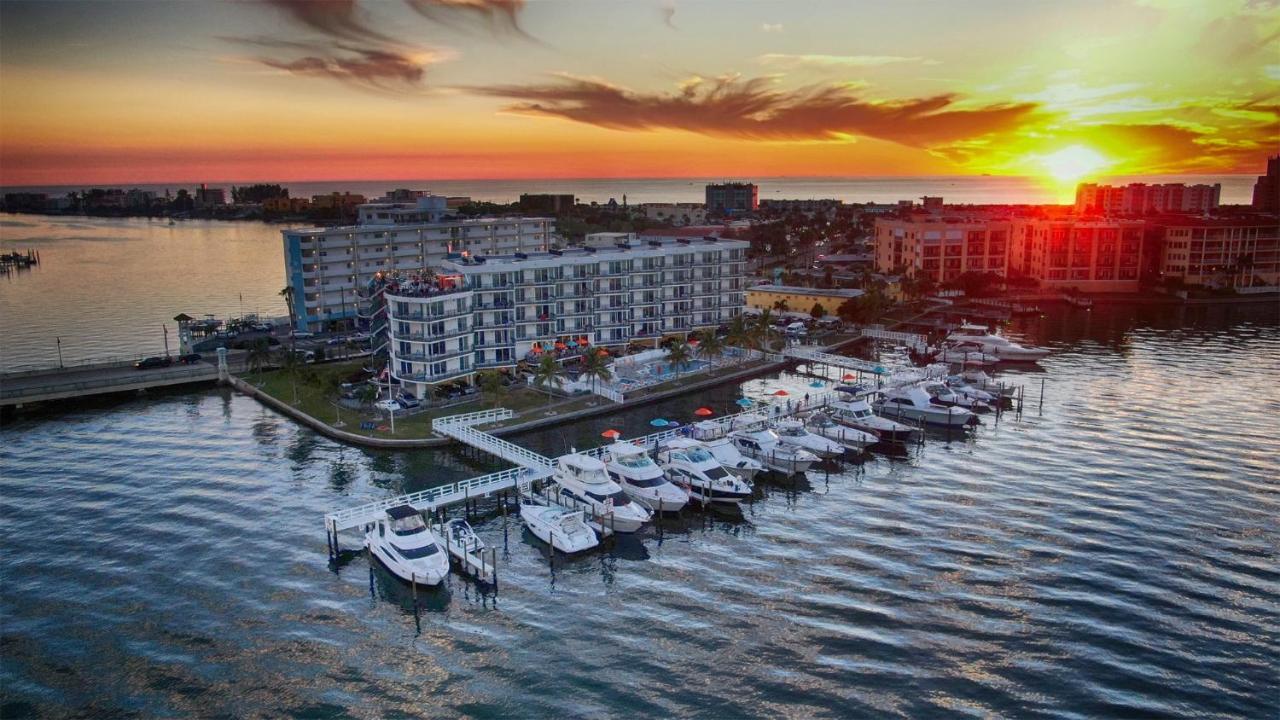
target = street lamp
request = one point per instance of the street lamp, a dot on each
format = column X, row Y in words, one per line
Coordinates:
column 60, row 365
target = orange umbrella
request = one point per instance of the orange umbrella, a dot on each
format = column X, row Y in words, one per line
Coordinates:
column 537, row 350
column 782, row 393
column 611, row 434
column 602, row 352
column 704, row 411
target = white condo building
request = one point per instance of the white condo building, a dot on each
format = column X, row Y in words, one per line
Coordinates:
column 325, row 266
column 492, row 311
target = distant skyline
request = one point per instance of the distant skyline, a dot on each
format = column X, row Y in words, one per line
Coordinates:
column 326, row 90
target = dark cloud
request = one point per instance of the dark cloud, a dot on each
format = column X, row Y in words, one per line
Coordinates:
column 341, row 19
column 668, row 10
column 755, row 108
column 495, row 16
column 375, row 68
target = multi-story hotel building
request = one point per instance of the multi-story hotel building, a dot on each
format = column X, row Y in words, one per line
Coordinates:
column 1227, row 251
column 484, row 311
column 325, row 266
column 941, row 250
column 1090, row 255
column 1141, row 199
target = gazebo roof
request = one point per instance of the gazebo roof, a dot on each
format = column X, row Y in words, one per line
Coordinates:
column 183, row 317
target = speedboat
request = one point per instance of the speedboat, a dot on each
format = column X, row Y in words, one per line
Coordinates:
column 822, row 424
column 913, row 403
column 793, row 433
column 964, row 389
column 986, row 383
column 457, row 533
column 946, row 396
column 857, row 414
column 1002, row 347
column 690, row 464
column 759, row 442
column 403, row 543
column 563, row 529
column 583, row 479
column 712, row 434
column 629, row 466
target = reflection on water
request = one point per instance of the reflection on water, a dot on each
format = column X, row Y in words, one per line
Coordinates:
column 1113, row 556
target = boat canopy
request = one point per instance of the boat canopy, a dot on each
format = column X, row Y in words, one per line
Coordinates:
column 400, row 512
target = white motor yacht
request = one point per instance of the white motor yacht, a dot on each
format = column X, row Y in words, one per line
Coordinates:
column 690, row 464
column 913, row 403
column 851, row 439
column 946, row 396
column 713, row 435
column 759, row 442
column 986, row 383
column 629, row 466
column 583, row 479
column 563, row 529
column 857, row 414
column 793, row 433
column 961, row 387
column 403, row 543
column 1002, row 347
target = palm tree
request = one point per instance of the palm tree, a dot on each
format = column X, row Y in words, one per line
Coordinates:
column 287, row 294
column 548, row 374
column 763, row 328
column 678, row 356
column 596, row 367
column 739, row 334
column 490, row 382
column 710, row 347
column 290, row 363
column 259, row 356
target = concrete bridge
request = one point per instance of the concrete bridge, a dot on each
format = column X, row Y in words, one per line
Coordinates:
column 32, row 386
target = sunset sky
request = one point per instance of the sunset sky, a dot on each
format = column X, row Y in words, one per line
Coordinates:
column 136, row 92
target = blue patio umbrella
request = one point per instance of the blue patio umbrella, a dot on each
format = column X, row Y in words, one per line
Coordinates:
column 816, row 384
column 658, row 422
column 743, row 402
column 572, row 344
column 880, row 370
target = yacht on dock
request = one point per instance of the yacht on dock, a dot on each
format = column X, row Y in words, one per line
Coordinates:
column 981, row 380
column 563, row 529
column 1001, row 347
column 913, row 403
column 963, row 388
column 690, row 464
column 629, row 466
column 404, row 544
column 857, row 414
column 583, row 479
column 757, row 441
column 851, row 439
column 793, row 433
column 713, row 435
column 946, row 396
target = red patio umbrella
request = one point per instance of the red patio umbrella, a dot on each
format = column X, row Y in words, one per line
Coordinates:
column 704, row 411
column 782, row 393
column 602, row 352
column 611, row 434
column 850, row 376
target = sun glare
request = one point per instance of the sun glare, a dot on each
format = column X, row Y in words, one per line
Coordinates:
column 1073, row 163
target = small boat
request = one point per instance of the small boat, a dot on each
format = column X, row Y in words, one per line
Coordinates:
column 563, row 529
column 629, row 466
column 458, row 534
column 961, row 387
column 691, row 465
column 404, row 544
column 988, row 384
column 583, row 480
column 759, row 442
column 855, row 440
column 913, row 403
column 793, row 433
column 943, row 395
column 712, row 434
column 857, row 414
column 1001, row 347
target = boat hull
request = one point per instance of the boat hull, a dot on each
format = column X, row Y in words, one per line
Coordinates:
column 431, row 575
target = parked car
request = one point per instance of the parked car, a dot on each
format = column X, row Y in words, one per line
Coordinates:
column 264, row 327
column 190, row 359
column 302, row 334
column 153, row 362
column 408, row 403
column 388, row 405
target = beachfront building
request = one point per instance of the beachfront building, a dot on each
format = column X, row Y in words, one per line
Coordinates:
column 1092, row 255
column 493, row 311
column 941, row 249
column 727, row 198
column 424, row 208
column 1142, row 199
column 326, row 266
column 796, row 299
column 1235, row 252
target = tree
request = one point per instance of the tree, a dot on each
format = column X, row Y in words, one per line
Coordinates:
column 678, row 356
column 596, row 367
column 763, row 328
column 490, row 382
column 257, row 193
column 781, row 306
column 548, row 374
column 368, row 393
column 710, row 346
column 259, row 356
column 739, row 334
column 290, row 363
column 818, row 311
column 287, row 294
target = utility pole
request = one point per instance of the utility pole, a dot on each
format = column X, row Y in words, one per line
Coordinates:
column 165, row 329
column 60, row 365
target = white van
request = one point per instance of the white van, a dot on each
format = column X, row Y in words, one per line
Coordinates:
column 797, row 329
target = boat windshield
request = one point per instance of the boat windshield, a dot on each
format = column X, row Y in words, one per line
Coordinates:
column 715, row 473
column 791, row 430
column 698, row 455
column 408, row 526
column 619, row 498
column 418, row 552
column 636, row 461
column 646, row 482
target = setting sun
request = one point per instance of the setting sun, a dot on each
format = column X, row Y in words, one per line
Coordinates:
column 1074, row 163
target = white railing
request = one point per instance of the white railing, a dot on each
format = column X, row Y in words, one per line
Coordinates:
column 479, row 417
column 431, row 498
column 878, row 332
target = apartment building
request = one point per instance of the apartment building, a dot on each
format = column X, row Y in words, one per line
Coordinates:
column 324, row 266
column 1239, row 252
column 1099, row 255
column 732, row 197
column 493, row 311
column 1142, row 199
column 942, row 249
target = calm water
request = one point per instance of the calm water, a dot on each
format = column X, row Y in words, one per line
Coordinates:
column 957, row 189
column 1113, row 556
